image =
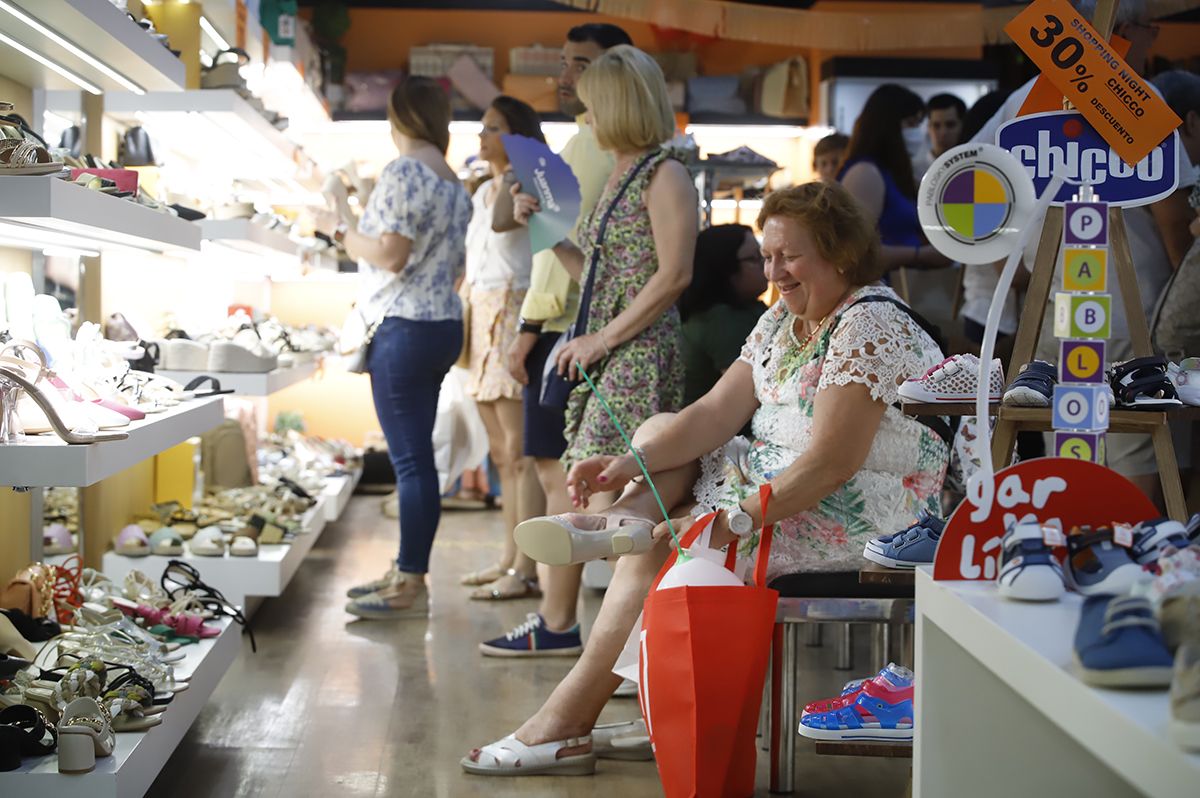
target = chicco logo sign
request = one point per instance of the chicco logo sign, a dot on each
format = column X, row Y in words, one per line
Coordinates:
column 1039, row 141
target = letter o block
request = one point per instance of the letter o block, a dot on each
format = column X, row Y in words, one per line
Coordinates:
column 1081, row 407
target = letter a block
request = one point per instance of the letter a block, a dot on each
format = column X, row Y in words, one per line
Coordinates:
column 1082, row 315
column 1085, row 269
column 1081, row 407
column 1080, row 446
column 1081, row 361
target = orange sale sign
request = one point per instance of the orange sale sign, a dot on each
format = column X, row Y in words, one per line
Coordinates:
column 1089, row 73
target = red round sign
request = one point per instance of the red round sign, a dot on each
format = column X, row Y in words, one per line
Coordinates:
column 1055, row 491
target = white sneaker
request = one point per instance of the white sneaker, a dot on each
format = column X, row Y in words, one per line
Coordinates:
column 1185, row 376
column 955, row 379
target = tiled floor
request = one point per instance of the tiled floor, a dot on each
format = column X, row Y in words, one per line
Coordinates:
column 333, row 708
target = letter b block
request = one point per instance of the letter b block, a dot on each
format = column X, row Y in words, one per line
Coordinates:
column 1082, row 315
column 1080, row 446
column 1081, row 407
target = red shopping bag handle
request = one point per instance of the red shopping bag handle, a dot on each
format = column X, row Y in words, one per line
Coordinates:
column 697, row 528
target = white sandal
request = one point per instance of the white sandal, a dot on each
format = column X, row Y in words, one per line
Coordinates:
column 511, row 757
column 554, row 540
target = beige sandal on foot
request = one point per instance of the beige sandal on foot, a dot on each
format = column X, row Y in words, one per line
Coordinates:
column 510, row 585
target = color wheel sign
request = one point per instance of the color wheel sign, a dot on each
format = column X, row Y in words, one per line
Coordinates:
column 973, row 202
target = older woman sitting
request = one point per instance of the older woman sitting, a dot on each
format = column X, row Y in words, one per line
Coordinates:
column 818, row 379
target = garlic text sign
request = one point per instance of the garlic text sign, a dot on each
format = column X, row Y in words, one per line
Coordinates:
column 1089, row 73
column 1040, row 141
column 1053, row 491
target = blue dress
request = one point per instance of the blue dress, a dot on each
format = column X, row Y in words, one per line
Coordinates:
column 898, row 222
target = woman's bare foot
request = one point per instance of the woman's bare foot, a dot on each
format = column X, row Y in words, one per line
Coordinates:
column 509, row 586
column 539, row 729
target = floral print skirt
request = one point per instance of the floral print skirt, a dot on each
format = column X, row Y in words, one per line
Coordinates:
column 640, row 379
column 495, row 315
column 830, row 536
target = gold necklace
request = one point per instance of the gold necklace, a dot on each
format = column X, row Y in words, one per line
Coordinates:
column 821, row 323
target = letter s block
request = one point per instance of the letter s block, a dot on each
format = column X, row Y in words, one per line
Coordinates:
column 1080, row 446
column 1081, row 407
column 1082, row 315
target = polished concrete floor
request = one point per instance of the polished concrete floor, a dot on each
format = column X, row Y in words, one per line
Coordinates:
column 329, row 707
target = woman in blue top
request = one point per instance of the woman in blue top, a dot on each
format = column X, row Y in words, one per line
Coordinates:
column 877, row 171
column 411, row 248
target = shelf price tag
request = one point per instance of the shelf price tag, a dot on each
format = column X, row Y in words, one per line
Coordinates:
column 1089, row 73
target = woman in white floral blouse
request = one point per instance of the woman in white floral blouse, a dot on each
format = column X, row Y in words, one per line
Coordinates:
column 817, row 378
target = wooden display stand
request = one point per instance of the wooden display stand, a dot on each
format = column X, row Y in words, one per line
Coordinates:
column 1011, row 420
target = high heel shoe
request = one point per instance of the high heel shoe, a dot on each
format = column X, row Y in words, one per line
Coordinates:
column 60, row 428
column 84, row 733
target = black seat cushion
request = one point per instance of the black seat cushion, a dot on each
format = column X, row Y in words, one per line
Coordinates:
column 835, row 584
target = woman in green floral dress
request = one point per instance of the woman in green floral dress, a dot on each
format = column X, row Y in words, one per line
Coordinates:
column 633, row 346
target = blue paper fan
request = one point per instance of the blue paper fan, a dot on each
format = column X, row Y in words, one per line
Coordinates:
column 546, row 176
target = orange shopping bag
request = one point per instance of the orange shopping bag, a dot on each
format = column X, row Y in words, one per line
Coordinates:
column 704, row 654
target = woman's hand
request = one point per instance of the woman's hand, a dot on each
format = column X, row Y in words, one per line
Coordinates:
column 518, row 353
column 599, row 474
column 586, row 349
column 681, row 525
column 524, row 205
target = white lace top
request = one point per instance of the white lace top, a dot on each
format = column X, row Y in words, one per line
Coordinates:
column 873, row 343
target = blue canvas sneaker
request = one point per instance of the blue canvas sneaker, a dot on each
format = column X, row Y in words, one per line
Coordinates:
column 1151, row 537
column 1098, row 566
column 1118, row 643
column 909, row 547
column 533, row 639
column 1028, row 569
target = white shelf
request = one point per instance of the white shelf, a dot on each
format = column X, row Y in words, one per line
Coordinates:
column 45, row 211
column 263, row 384
column 97, row 28
column 337, row 493
column 138, row 756
column 238, row 578
column 249, row 236
column 43, row 461
column 1017, row 657
column 213, row 129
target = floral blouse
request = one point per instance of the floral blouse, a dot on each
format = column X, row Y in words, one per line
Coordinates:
column 412, row 200
column 875, row 344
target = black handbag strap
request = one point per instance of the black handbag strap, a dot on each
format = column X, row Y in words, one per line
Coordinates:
column 585, row 298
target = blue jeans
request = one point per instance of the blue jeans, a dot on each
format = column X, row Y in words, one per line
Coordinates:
column 407, row 361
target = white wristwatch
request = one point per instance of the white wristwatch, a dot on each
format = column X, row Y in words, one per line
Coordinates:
column 740, row 522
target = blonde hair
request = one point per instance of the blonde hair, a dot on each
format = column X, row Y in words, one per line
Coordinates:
column 420, row 109
column 840, row 232
column 627, row 95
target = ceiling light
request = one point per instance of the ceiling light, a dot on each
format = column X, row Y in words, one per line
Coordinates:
column 213, row 33
column 46, row 62
column 74, row 50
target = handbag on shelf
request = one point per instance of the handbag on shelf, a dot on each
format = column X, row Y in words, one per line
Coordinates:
column 31, row 591
column 556, row 388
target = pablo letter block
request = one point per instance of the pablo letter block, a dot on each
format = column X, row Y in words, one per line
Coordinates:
column 1082, row 315
column 1085, row 223
column 1085, row 269
column 1080, row 446
column 1081, row 407
column 1081, row 361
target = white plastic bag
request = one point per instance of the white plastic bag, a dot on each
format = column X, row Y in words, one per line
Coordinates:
column 460, row 440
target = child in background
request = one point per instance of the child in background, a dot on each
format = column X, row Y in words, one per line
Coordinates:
column 827, row 155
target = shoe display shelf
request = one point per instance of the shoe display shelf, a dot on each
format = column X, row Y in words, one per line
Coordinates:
column 264, row 576
column 137, row 757
column 248, row 236
column 90, row 39
column 213, row 128
column 337, row 493
column 43, row 461
column 997, row 686
column 249, row 384
column 41, row 210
